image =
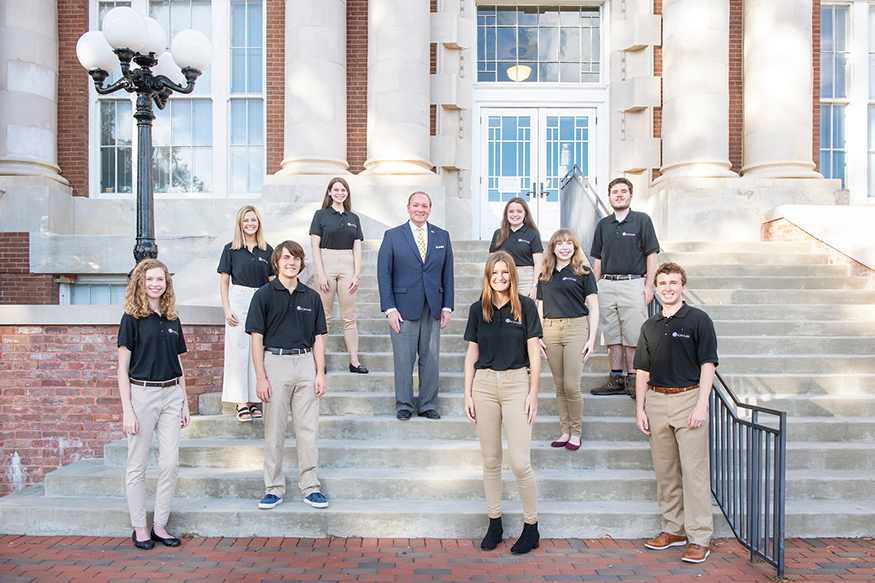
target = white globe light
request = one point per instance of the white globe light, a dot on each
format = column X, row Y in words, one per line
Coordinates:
column 157, row 42
column 123, row 27
column 192, row 48
column 94, row 52
column 167, row 66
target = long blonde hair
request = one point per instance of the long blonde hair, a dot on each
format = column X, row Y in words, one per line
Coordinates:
column 488, row 294
column 136, row 300
column 579, row 262
column 240, row 237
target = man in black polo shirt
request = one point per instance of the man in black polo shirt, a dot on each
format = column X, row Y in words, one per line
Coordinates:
column 287, row 323
column 676, row 360
column 624, row 250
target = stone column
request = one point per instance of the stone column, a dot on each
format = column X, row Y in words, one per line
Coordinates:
column 29, row 89
column 398, row 87
column 778, row 84
column 695, row 86
column 315, row 107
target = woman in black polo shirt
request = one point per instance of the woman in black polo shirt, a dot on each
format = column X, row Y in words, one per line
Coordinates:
column 502, row 369
column 336, row 242
column 245, row 267
column 568, row 290
column 151, row 384
column 519, row 236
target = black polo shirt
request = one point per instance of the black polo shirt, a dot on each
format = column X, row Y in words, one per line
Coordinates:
column 521, row 244
column 336, row 230
column 155, row 344
column 623, row 247
column 245, row 268
column 502, row 341
column 564, row 296
column 674, row 349
column 286, row 320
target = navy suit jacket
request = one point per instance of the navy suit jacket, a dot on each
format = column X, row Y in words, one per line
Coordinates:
column 406, row 282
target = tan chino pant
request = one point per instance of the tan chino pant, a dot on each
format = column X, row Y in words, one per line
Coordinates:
column 159, row 413
column 681, row 461
column 340, row 270
column 564, row 339
column 291, row 378
column 500, row 398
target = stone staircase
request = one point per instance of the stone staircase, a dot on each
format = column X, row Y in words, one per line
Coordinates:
column 794, row 333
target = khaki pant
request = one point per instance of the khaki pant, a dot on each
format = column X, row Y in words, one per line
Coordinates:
column 500, row 397
column 564, row 339
column 238, row 379
column 159, row 413
column 621, row 310
column 292, row 386
column 681, row 462
column 340, row 271
column 526, row 277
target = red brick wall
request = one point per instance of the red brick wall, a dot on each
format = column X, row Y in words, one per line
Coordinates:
column 784, row 230
column 73, row 83
column 736, row 74
column 17, row 284
column 59, row 398
column 657, row 111
column 356, row 84
column 815, row 55
column 275, row 83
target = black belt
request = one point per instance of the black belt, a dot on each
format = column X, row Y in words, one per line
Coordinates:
column 159, row 384
column 622, row 277
column 283, row 351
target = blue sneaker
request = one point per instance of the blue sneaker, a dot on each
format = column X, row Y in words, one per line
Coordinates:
column 316, row 500
column 269, row 501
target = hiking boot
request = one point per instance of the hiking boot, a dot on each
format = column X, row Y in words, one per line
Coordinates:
column 630, row 384
column 614, row 386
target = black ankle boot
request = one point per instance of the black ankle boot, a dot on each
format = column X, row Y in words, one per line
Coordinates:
column 528, row 539
column 493, row 535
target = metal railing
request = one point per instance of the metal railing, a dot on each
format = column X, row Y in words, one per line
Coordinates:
column 580, row 208
column 748, row 472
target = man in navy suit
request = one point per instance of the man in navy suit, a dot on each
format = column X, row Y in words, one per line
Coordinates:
column 415, row 276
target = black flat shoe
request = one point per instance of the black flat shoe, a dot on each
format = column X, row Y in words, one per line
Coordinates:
column 430, row 414
column 360, row 369
column 141, row 544
column 167, row 542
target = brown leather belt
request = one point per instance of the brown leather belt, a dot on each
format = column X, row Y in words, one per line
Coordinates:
column 157, row 384
column 672, row 390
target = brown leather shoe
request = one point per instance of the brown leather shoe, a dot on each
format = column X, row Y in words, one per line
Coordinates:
column 664, row 540
column 696, row 553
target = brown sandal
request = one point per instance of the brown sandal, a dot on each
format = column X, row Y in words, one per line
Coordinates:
column 243, row 414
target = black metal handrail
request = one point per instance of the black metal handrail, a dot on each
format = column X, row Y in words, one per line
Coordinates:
column 748, row 472
column 580, row 208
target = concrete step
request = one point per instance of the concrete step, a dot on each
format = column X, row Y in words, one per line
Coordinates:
column 768, row 247
column 95, row 478
column 775, row 282
column 31, row 512
column 685, row 258
column 798, row 363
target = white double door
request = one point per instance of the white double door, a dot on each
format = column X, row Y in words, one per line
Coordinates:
column 526, row 152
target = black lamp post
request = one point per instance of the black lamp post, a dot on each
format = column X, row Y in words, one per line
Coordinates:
column 129, row 38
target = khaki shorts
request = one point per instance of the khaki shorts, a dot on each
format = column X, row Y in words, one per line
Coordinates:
column 621, row 310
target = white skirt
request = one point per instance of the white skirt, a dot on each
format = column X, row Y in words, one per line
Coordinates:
column 238, row 381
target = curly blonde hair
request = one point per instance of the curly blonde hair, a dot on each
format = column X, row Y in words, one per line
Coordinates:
column 136, row 300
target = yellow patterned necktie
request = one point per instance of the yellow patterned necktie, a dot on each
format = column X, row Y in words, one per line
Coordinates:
column 420, row 242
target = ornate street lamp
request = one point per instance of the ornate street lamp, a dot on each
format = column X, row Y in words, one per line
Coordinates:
column 127, row 36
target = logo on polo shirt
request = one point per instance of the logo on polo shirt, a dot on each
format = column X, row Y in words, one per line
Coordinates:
column 303, row 309
column 524, row 241
column 568, row 278
column 350, row 224
column 679, row 335
column 509, row 321
column 172, row 331
column 625, row 234
column 262, row 259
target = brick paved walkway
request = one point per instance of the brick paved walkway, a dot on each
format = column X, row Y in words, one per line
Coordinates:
column 27, row 559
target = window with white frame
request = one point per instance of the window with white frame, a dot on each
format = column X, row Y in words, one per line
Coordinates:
column 545, row 44
column 847, row 95
column 208, row 143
